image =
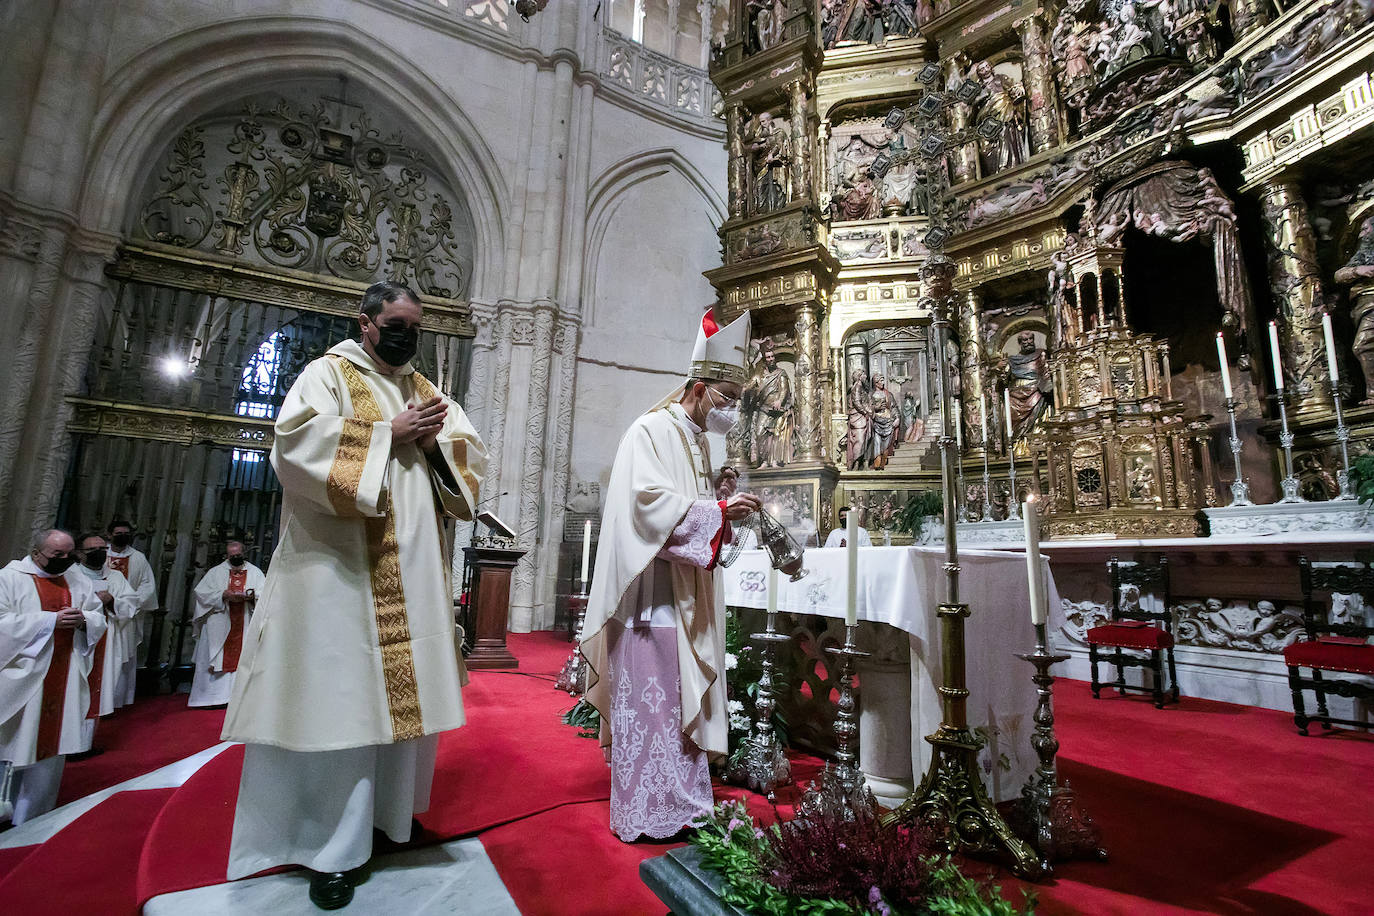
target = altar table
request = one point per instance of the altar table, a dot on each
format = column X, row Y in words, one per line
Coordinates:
column 903, row 587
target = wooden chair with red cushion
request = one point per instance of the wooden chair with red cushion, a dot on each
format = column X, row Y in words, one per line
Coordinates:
column 1330, row 645
column 1134, row 629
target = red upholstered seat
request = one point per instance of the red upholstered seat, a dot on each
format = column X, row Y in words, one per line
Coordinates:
column 1129, row 636
column 1330, row 656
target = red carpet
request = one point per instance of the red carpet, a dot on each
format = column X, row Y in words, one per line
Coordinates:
column 1206, row 807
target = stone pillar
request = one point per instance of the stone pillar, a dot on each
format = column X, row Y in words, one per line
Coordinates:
column 1045, row 116
column 970, row 323
column 885, row 717
column 801, row 143
column 522, row 599
column 734, row 141
column 1293, row 257
column 810, row 447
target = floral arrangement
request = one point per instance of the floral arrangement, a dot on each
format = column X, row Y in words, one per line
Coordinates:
column 836, row 858
column 1362, row 477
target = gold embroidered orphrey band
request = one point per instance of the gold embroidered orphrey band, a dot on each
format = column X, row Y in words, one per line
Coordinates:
column 424, row 390
column 384, row 562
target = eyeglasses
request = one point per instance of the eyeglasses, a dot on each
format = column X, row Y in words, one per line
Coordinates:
column 729, row 401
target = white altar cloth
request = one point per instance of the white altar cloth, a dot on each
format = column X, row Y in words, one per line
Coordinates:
column 904, row 587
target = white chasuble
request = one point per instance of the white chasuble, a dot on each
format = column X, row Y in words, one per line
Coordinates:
column 44, row 696
column 352, row 640
column 120, row 642
column 219, row 627
column 133, row 565
column 661, row 474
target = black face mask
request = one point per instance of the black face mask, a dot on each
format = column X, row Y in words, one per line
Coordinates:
column 122, row 541
column 236, row 560
column 95, row 558
column 56, row 566
column 397, row 346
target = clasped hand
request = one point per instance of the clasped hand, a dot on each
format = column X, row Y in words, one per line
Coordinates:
column 419, row 423
column 69, row 618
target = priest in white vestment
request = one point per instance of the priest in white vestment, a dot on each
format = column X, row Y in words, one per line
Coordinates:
column 50, row 623
column 655, row 624
column 350, row 668
column 225, row 597
column 836, row 537
column 131, row 563
column 120, row 604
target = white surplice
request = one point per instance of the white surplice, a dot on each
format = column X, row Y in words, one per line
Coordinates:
column 27, row 635
column 350, row 662
column 212, row 685
column 133, row 565
column 120, row 644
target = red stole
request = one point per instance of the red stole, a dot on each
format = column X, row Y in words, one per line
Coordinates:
column 53, row 596
column 233, row 643
column 120, row 565
column 96, row 680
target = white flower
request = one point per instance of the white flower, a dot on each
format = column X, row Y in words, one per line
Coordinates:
column 739, row 722
column 735, row 706
column 731, row 661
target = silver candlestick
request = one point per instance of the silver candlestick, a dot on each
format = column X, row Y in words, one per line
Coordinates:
column 846, row 714
column 1013, row 511
column 763, row 765
column 573, row 677
column 1059, row 828
column 1240, row 490
column 1289, row 482
column 1343, row 437
column 987, row 486
column 962, row 496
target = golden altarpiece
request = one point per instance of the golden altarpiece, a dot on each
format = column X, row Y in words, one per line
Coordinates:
column 1211, row 154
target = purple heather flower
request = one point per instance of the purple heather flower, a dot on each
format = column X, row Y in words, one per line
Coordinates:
column 734, row 823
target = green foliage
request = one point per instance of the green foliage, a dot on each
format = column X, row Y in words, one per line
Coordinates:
column 1362, row 477
column 584, row 718
column 921, row 505
column 732, row 845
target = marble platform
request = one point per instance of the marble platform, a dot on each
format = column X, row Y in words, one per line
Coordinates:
column 454, row 877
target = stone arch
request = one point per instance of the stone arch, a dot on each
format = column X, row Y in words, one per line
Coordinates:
column 157, row 92
column 607, row 191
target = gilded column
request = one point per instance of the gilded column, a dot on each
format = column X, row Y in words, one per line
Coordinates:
column 801, row 143
column 809, row 427
column 734, row 139
column 1044, row 97
column 971, row 365
column 1298, row 294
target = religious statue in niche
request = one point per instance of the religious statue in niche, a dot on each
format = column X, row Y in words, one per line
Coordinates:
column 765, row 23
column 854, row 196
column 1358, row 273
column 769, row 148
column 1026, row 376
column 860, row 409
column 886, row 419
column 857, row 193
column 770, row 404
column 911, row 418
column 870, row 21
column 1004, row 99
column 1140, row 478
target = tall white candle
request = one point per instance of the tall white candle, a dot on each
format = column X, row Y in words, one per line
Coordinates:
column 1030, row 512
column 983, row 416
column 1330, row 348
column 772, row 589
column 1225, row 366
column 851, row 540
column 586, row 549
column 1274, row 352
column 1006, row 406
column 958, row 426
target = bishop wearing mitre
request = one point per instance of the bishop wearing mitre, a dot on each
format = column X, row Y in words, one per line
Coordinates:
column 225, row 597
column 655, row 620
column 349, row 669
column 50, row 624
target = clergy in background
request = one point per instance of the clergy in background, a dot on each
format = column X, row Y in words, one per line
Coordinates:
column 655, row 628
column 225, row 597
column 131, row 563
column 836, row 537
column 50, row 623
column 349, row 669
column 119, row 602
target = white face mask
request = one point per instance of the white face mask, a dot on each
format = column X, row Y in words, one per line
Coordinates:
column 721, row 420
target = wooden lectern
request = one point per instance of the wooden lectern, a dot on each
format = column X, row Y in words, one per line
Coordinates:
column 489, row 573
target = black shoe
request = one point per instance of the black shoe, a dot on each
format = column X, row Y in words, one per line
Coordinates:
column 330, row 890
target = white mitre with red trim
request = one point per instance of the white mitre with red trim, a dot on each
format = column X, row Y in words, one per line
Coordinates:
column 720, row 353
